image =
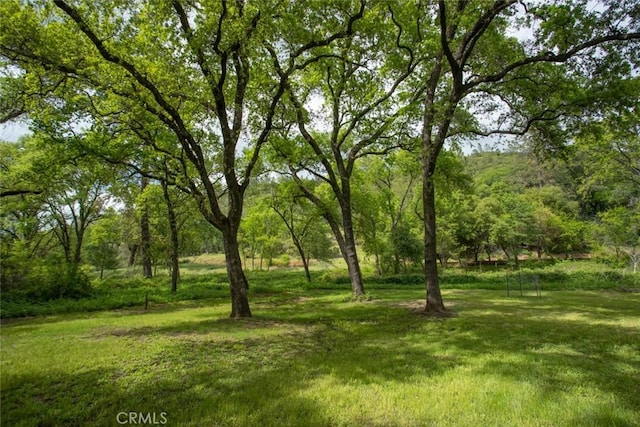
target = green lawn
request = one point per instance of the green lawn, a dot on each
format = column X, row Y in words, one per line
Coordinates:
column 311, row 359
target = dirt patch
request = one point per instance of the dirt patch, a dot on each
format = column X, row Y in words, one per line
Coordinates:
column 12, row 320
column 276, row 302
column 417, row 307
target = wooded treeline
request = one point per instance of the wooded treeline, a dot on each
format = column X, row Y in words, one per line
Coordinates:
column 180, row 127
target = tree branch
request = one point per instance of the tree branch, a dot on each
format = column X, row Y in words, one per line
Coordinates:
column 550, row 57
column 18, row 192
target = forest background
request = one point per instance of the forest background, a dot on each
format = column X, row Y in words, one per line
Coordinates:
column 143, row 147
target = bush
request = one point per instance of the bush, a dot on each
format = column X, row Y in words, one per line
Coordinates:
column 281, row 261
column 334, row 278
column 52, row 281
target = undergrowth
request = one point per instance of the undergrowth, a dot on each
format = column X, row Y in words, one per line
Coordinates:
column 200, row 282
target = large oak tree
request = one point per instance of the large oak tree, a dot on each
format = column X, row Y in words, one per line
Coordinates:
column 349, row 105
column 526, row 64
column 199, row 70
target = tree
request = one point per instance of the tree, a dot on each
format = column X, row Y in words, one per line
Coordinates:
column 24, row 235
column 383, row 198
column 362, row 83
column 261, row 233
column 74, row 191
column 514, row 225
column 103, row 242
column 559, row 231
column 157, row 210
column 201, row 75
column 476, row 63
column 145, row 232
column 173, row 235
column 43, row 232
column 127, row 193
column 621, row 229
column 606, row 156
column 406, row 245
column 303, row 222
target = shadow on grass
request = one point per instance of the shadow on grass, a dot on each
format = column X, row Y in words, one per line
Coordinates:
column 214, row 371
column 558, row 345
column 233, row 382
column 236, row 380
column 211, row 396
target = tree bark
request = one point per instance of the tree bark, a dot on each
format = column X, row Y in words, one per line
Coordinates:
column 350, row 252
column 77, row 252
column 347, row 245
column 238, row 284
column 173, row 232
column 305, row 261
column 434, row 297
column 344, row 235
column 431, row 149
column 353, row 266
column 145, row 237
column 133, row 250
column 145, row 232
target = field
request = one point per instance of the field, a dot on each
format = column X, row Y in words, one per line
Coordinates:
column 310, row 357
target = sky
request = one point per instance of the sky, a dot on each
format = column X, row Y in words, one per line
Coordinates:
column 12, row 131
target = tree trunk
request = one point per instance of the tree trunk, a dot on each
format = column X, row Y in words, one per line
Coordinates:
column 350, row 253
column 376, row 252
column 377, row 262
column 430, row 150
column 344, row 235
column 351, row 257
column 65, row 240
column 175, row 269
column 173, row 234
column 145, row 233
column 295, row 237
column 347, row 245
column 434, row 296
column 635, row 260
column 133, row 249
column 396, row 263
column 305, row 261
column 237, row 281
column 145, row 237
column 77, row 251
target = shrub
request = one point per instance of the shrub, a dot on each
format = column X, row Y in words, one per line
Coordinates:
column 52, row 281
column 281, row 261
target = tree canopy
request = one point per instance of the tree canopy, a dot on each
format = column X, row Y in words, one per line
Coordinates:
column 203, row 97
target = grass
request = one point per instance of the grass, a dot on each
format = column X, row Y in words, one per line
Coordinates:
column 204, row 277
column 308, row 358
